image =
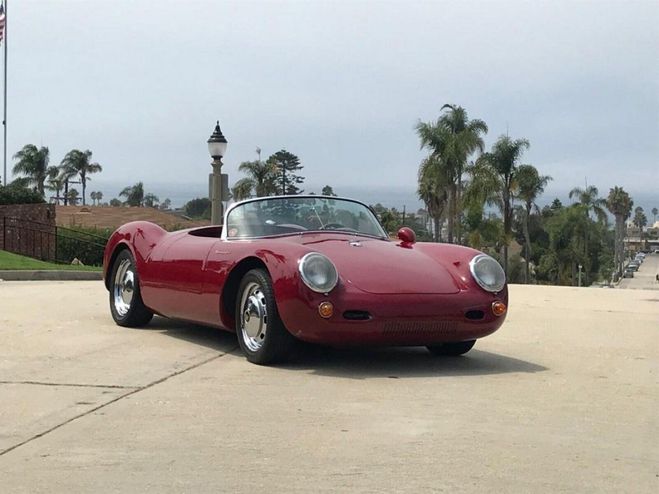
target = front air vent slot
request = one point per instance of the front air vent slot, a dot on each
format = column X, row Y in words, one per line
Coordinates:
column 475, row 315
column 356, row 315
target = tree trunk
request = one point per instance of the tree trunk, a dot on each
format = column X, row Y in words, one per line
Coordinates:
column 506, row 228
column 586, row 262
column 527, row 241
column 451, row 212
column 438, row 234
column 458, row 209
column 84, row 186
column 618, row 245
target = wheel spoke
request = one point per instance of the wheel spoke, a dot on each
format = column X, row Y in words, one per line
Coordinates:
column 253, row 317
column 123, row 287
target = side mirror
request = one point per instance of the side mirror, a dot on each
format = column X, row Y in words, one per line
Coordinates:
column 406, row 235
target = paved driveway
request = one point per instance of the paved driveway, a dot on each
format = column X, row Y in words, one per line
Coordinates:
column 563, row 398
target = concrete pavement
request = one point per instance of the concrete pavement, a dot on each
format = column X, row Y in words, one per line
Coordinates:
column 563, row 398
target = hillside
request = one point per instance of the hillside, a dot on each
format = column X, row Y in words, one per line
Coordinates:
column 109, row 217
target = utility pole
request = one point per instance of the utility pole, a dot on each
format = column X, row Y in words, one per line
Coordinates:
column 4, row 119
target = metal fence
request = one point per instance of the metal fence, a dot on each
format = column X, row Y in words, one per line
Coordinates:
column 51, row 243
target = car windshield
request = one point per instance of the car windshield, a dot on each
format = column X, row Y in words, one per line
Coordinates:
column 286, row 215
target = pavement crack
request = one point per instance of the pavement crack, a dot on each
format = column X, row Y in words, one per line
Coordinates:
column 120, row 397
column 75, row 385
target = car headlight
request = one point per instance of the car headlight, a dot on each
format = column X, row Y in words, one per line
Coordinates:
column 488, row 273
column 318, row 272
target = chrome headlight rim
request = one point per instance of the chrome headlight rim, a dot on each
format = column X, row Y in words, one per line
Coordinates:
column 488, row 288
column 333, row 274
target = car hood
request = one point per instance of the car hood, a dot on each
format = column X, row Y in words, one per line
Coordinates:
column 382, row 267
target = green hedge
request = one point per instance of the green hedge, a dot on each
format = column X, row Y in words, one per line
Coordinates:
column 85, row 244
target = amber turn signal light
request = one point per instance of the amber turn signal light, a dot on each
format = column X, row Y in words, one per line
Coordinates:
column 326, row 309
column 498, row 308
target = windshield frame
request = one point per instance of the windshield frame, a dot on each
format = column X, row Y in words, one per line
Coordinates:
column 225, row 236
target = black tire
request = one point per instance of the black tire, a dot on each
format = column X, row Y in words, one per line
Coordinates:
column 126, row 303
column 453, row 349
column 266, row 340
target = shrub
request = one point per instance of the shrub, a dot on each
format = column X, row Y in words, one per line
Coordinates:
column 15, row 194
column 85, row 244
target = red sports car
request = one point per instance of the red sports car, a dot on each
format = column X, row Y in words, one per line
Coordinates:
column 314, row 268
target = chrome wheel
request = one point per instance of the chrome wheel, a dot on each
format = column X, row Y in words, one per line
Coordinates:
column 126, row 305
column 253, row 317
column 123, row 288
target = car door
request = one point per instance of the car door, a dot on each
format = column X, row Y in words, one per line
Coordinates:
column 173, row 285
column 220, row 259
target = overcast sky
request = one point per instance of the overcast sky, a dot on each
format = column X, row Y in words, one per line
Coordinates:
column 341, row 84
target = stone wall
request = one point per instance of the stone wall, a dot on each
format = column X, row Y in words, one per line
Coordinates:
column 28, row 229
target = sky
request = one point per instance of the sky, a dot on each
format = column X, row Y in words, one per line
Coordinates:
column 340, row 84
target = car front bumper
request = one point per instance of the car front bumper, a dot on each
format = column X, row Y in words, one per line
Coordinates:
column 392, row 319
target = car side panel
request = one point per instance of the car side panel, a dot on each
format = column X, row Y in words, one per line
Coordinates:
column 173, row 277
column 221, row 258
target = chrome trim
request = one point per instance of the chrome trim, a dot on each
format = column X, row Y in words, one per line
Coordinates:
column 306, row 280
column 485, row 287
column 123, row 287
column 253, row 317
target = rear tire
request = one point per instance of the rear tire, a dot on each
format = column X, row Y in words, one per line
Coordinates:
column 126, row 303
column 453, row 349
column 262, row 336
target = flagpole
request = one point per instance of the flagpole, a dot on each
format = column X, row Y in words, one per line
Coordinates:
column 4, row 119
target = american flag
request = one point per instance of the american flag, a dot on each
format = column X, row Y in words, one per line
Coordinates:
column 2, row 22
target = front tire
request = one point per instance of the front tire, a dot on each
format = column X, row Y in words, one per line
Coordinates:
column 453, row 349
column 126, row 303
column 261, row 333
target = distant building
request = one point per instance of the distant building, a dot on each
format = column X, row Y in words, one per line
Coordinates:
column 638, row 239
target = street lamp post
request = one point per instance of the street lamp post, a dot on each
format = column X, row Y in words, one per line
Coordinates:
column 580, row 266
column 217, row 146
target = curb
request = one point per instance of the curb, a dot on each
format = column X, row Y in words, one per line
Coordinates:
column 50, row 275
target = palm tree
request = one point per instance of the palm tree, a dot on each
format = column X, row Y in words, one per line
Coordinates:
column 99, row 197
column 530, row 184
column 66, row 175
column 72, row 197
column 451, row 140
column 55, row 183
column 260, row 178
column 242, row 189
column 134, row 194
column 640, row 220
column 151, row 200
column 620, row 205
column 590, row 201
column 433, row 191
column 92, row 194
column 79, row 163
column 467, row 140
column 495, row 174
column 33, row 163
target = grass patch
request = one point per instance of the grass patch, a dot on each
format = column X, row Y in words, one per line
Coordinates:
column 9, row 261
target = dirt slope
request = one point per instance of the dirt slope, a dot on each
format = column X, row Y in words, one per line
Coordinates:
column 109, row 217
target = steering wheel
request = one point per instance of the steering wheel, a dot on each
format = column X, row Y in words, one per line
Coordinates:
column 338, row 226
column 332, row 225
